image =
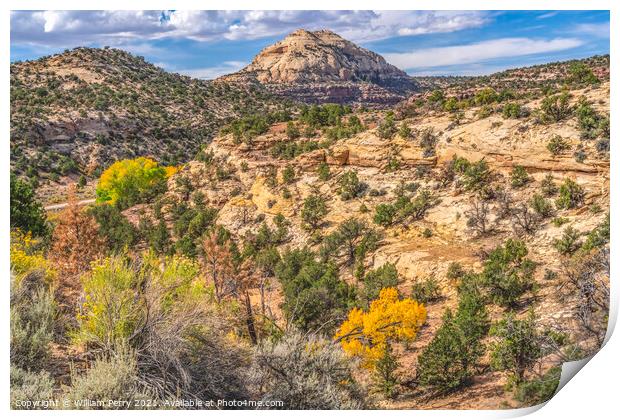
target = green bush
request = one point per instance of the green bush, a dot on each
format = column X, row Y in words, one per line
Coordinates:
column 519, row 177
column 580, row 73
column 538, row 389
column 514, row 110
column 508, row 274
column 376, row 280
column 557, row 145
column 571, row 195
column 450, row 360
column 313, row 292
column 288, row 174
column 556, row 108
column 387, row 128
column 27, row 212
column 518, row 345
column 426, row 290
column 569, row 242
column 313, row 211
column 350, row 186
column 114, row 227
column 323, row 172
column 548, row 186
column 541, row 206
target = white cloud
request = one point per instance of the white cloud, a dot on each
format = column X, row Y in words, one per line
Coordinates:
column 599, row 30
column 54, row 28
column 209, row 73
column 477, row 52
column 547, row 15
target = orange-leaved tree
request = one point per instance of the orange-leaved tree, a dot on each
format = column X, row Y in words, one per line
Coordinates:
column 75, row 241
column 389, row 318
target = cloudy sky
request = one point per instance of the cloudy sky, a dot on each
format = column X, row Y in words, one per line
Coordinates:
column 207, row 44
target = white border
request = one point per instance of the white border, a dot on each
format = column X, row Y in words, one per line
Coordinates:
column 592, row 395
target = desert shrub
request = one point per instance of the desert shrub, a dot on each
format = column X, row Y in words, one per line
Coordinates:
column 387, row 128
column 350, row 186
column 569, row 242
column 425, row 291
column 518, row 345
column 538, row 389
column 478, row 217
column 591, row 124
column 514, row 110
column 580, row 154
column 519, row 177
column 314, row 211
column 524, row 221
column 384, row 374
column 475, row 175
column 131, row 181
column 455, row 271
column 33, row 312
column 580, row 73
column 292, row 131
column 428, row 141
column 405, row 208
column 405, row 131
column 288, row 174
column 556, row 108
column 557, row 145
column 323, row 172
column 314, row 295
column 602, row 145
column 586, row 278
column 350, row 242
column 305, row 372
column 161, row 310
column 376, row 280
column 485, row 96
column 365, row 334
column 384, row 214
column 542, row 206
column 26, row 257
column 450, row 359
column 111, row 312
column 114, row 227
column 507, row 273
column 27, row 213
column 30, row 387
column 571, row 195
column 548, row 186
column 597, row 237
column 112, row 378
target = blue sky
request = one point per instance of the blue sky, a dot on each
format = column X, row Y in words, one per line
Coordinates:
column 207, row 44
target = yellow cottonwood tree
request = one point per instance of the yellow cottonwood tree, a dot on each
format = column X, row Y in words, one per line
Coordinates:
column 366, row 334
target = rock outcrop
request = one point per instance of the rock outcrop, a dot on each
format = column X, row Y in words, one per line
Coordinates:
column 321, row 66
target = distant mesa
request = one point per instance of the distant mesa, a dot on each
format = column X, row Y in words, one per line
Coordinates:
column 321, row 66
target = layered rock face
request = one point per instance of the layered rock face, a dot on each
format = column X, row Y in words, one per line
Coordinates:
column 321, row 66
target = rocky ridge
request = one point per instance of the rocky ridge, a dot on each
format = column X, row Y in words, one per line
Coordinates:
column 321, row 66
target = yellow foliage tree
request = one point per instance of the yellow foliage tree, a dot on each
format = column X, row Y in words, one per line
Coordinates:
column 131, row 180
column 366, row 334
